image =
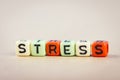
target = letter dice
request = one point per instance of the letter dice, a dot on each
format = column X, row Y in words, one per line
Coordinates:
column 53, row 48
column 67, row 48
column 100, row 48
column 83, row 48
column 23, row 48
column 38, row 48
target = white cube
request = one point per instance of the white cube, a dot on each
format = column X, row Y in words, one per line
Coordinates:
column 23, row 48
column 83, row 48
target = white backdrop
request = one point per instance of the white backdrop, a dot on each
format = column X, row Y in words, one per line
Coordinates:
column 59, row 19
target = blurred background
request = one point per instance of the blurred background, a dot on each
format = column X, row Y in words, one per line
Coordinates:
column 59, row 19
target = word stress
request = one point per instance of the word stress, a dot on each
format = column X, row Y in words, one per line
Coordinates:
column 81, row 48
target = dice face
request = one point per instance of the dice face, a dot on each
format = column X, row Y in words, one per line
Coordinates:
column 53, row 48
column 38, row 48
column 23, row 48
column 100, row 48
column 67, row 48
column 83, row 48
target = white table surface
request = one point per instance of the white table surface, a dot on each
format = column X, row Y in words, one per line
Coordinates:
column 59, row 19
